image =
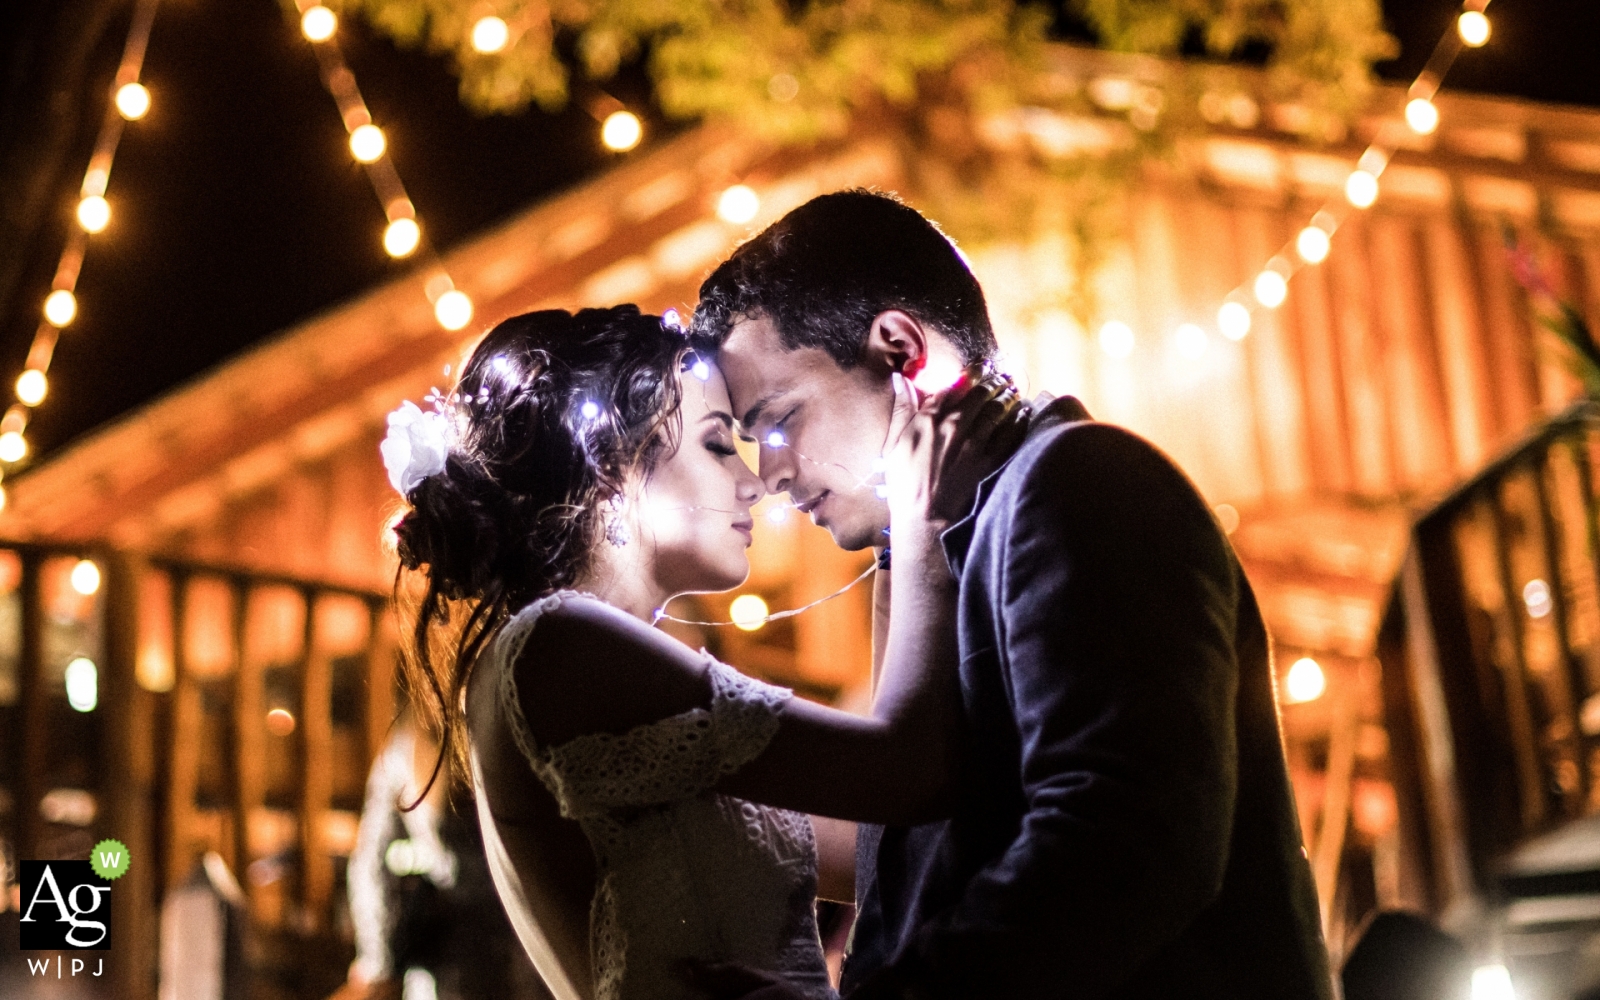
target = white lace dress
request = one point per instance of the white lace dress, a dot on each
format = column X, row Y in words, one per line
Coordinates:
column 682, row 872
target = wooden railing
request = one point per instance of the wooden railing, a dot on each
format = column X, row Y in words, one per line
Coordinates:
column 1491, row 660
column 188, row 709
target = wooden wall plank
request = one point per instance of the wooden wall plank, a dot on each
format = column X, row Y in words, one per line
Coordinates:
column 1280, row 405
column 1322, row 375
column 1469, row 406
column 1360, row 341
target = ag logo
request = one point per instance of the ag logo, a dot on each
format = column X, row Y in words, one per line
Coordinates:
column 65, row 905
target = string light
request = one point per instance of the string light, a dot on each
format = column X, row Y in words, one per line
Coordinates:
column 490, row 35
column 1305, row 681
column 1361, row 189
column 1233, row 319
column 1116, row 339
column 621, row 131
column 1422, row 115
column 319, row 23
column 85, row 577
column 453, row 310
column 1271, row 288
column 401, row 237
column 1473, row 27
column 775, row 439
column 738, row 204
column 133, row 101
column 32, row 386
column 1313, row 244
column 94, row 213
column 367, row 143
column 590, row 409
column 60, row 307
column 748, row 612
column 13, row 446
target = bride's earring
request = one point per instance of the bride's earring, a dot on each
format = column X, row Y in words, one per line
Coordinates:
column 616, row 531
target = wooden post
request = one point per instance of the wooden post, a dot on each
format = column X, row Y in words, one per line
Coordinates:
column 316, row 728
column 184, row 754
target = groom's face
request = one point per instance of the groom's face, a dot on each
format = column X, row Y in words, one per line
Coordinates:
column 819, row 427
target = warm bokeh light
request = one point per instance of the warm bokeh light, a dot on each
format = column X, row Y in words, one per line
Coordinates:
column 60, row 307
column 1361, row 189
column 1271, row 288
column 13, row 446
column 1474, row 28
column 1305, row 681
column 1191, row 341
column 1233, row 319
column 748, row 611
column 280, row 722
column 1536, row 596
column 738, row 204
column 3, row 498
column 133, row 101
column 86, row 577
column 83, row 684
column 401, row 237
column 32, row 386
column 1313, row 244
column 1116, row 339
column 453, row 310
column 621, row 131
column 367, row 143
column 1492, row 982
column 490, row 34
column 319, row 23
column 94, row 213
column 1227, row 517
column 1422, row 115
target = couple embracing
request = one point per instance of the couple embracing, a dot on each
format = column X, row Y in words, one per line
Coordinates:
column 1071, row 783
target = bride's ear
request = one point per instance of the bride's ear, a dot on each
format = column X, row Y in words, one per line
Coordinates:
column 897, row 342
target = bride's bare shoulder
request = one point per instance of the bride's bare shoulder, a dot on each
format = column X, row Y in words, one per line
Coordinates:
column 589, row 668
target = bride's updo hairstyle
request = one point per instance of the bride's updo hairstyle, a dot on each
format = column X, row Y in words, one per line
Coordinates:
column 552, row 416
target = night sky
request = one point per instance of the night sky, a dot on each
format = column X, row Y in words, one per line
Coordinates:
column 238, row 210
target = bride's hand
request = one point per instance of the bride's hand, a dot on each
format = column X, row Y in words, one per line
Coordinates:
column 943, row 445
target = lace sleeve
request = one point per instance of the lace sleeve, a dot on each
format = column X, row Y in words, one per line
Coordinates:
column 674, row 758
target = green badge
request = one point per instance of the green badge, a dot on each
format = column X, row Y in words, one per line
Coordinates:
column 109, row 859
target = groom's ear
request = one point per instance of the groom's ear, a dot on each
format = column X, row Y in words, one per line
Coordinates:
column 897, row 342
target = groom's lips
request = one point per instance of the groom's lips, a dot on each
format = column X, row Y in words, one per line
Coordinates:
column 807, row 506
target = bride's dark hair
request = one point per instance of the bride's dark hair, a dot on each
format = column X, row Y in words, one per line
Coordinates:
column 553, row 413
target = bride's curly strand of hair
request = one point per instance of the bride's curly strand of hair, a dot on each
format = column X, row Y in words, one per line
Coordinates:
column 554, row 413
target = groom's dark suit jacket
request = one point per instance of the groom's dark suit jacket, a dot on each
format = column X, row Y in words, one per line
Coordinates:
column 1125, row 826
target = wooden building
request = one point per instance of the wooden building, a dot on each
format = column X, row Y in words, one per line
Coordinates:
column 239, row 521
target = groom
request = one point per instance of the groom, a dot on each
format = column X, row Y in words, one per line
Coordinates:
column 1125, row 826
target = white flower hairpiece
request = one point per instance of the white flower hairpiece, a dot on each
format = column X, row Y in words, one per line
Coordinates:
column 415, row 446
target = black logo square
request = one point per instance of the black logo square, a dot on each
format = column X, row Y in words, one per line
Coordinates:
column 65, row 907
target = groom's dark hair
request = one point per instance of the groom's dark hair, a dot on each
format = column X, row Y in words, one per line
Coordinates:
column 823, row 272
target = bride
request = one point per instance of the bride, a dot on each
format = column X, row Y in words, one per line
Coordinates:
column 581, row 474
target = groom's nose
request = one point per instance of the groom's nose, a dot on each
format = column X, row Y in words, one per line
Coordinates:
column 777, row 468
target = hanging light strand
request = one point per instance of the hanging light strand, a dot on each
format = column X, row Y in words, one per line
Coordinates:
column 129, row 101
column 1269, row 288
column 403, row 235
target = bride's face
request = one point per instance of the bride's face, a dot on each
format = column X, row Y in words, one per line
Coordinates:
column 694, row 511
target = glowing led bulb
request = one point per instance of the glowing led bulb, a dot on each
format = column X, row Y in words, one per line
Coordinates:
column 1116, row 339
column 133, row 101
column 401, row 237
column 13, row 446
column 1361, row 189
column 1492, row 982
column 1233, row 319
column 83, row 684
column 1305, row 681
column 590, row 409
column 32, row 386
column 748, row 611
column 621, row 131
column 738, row 204
column 490, row 34
column 1191, row 341
column 775, row 439
column 1422, row 115
column 319, row 23
column 700, row 370
column 85, row 577
column 1271, row 289
column 1474, row 28
column 60, row 307
column 453, row 310
column 367, row 143
column 94, row 213
column 1312, row 244
column 778, row 514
